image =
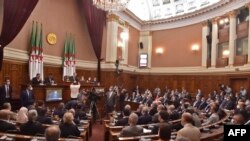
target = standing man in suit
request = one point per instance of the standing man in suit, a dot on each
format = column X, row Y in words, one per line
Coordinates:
column 110, row 102
column 27, row 96
column 5, row 92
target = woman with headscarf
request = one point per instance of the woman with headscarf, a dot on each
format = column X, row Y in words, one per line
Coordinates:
column 22, row 115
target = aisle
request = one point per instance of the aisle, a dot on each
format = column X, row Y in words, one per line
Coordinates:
column 97, row 132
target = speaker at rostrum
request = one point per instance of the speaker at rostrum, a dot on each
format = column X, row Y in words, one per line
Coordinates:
column 141, row 45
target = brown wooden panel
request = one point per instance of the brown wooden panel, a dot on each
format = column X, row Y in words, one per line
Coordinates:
column 18, row 74
column 223, row 35
column 240, row 60
column 221, row 62
column 242, row 29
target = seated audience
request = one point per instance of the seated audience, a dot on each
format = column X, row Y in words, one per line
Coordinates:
column 173, row 114
column 132, row 129
column 159, row 109
column 189, row 131
column 124, row 120
column 203, row 104
column 163, row 119
column 68, row 127
column 6, row 112
column 164, row 132
column 214, row 117
column 153, row 109
column 43, row 118
column 52, row 133
column 59, row 112
column 145, row 118
column 22, row 115
column 196, row 119
column 32, row 127
column 5, row 125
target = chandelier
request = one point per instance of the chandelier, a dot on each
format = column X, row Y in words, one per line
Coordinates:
column 111, row 5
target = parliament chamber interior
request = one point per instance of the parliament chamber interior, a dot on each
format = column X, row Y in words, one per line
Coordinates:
column 124, row 70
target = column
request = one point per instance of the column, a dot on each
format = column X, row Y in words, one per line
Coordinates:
column 248, row 50
column 112, row 31
column 232, row 37
column 214, row 42
column 146, row 39
column 205, row 32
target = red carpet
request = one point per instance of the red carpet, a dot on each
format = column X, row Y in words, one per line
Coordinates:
column 97, row 132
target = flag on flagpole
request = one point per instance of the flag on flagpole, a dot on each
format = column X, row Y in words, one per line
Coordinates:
column 36, row 52
column 40, row 54
column 65, row 58
column 74, row 55
column 32, row 51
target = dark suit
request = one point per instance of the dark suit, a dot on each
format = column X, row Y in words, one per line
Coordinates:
column 110, row 103
column 202, row 105
column 122, row 122
column 44, row 120
column 31, row 128
column 197, row 103
column 73, row 78
column 3, row 94
column 35, row 81
column 5, row 126
column 27, row 98
column 145, row 119
column 69, row 129
column 49, row 80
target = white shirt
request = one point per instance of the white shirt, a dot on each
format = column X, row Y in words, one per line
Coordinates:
column 74, row 90
column 7, row 89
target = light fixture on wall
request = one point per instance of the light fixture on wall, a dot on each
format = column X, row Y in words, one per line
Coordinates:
column 195, row 47
column 124, row 35
column 224, row 21
column 111, row 5
column 225, row 53
column 159, row 51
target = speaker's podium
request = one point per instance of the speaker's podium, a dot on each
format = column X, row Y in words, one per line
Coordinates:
column 52, row 95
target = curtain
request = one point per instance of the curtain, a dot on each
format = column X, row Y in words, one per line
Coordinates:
column 16, row 13
column 96, row 20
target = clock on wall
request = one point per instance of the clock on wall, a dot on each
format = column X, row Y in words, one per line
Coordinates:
column 51, row 38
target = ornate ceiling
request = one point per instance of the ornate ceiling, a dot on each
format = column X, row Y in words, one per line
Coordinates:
column 150, row 10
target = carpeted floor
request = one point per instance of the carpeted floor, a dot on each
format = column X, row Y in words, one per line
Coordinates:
column 97, row 132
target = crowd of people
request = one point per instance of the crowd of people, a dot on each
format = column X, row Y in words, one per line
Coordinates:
column 158, row 106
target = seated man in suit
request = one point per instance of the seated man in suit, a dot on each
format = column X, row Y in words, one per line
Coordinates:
column 145, row 118
column 132, row 129
column 5, row 126
column 37, row 80
column 32, row 127
column 49, row 80
column 124, row 120
column 27, row 96
column 189, row 131
column 164, row 132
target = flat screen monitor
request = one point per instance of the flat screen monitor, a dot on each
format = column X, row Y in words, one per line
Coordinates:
column 53, row 94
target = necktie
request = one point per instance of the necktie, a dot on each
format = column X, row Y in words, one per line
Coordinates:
column 7, row 91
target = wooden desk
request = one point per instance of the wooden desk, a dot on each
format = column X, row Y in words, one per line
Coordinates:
column 40, row 92
column 28, row 138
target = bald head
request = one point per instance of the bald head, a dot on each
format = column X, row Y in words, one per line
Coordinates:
column 186, row 118
column 52, row 133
